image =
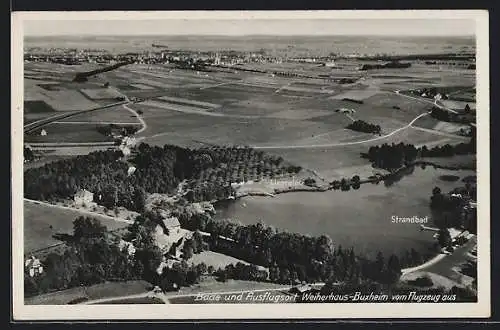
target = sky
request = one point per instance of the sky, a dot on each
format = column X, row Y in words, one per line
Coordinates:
column 238, row 27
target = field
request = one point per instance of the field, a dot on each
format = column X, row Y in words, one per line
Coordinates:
column 275, row 113
column 294, row 117
column 41, row 222
column 98, row 291
column 68, row 132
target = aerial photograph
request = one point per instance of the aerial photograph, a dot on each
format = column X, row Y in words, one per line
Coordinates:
column 184, row 161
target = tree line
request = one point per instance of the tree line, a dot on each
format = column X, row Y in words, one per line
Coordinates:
column 289, row 256
column 209, row 173
column 92, row 256
column 365, row 127
column 453, row 209
column 394, row 156
column 467, row 117
column 28, row 154
column 124, row 130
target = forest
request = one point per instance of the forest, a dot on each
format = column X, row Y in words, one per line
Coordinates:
column 293, row 256
column 28, row 154
column 92, row 256
column 467, row 117
column 208, row 172
column 394, row 156
column 363, row 126
column 453, row 209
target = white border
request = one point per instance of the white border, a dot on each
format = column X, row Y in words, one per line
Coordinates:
column 255, row 311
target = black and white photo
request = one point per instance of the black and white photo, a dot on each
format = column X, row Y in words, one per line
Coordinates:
column 284, row 164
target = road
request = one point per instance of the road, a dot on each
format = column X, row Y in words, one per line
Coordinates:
column 45, row 121
column 458, row 256
column 139, row 118
column 421, row 99
column 431, row 262
column 433, row 131
column 166, row 296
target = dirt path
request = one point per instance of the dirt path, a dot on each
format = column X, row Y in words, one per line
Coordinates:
column 424, row 265
column 139, row 118
column 421, row 99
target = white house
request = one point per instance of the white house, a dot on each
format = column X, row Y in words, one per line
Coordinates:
column 172, row 224
column 131, row 170
column 127, row 245
column 34, row 266
column 84, row 197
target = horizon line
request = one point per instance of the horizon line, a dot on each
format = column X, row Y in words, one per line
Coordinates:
column 256, row 35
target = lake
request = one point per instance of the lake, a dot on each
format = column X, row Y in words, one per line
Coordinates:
column 356, row 218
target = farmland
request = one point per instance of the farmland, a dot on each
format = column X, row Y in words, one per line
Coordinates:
column 250, row 108
column 257, row 109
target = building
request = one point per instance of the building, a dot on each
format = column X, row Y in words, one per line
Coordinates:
column 300, row 289
column 128, row 246
column 131, row 170
column 34, row 266
column 172, row 224
column 83, row 197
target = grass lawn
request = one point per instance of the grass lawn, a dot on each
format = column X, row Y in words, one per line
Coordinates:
column 41, row 222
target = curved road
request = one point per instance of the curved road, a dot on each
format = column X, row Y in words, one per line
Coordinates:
column 421, row 99
column 45, row 121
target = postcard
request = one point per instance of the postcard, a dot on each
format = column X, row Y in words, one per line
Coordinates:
column 218, row 165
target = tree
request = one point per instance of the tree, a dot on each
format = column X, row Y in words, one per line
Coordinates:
column 380, row 266
column 467, row 108
column 85, row 228
column 310, row 182
column 444, row 238
column 393, row 269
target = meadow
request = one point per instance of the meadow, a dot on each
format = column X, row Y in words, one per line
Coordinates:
column 41, row 222
column 66, row 132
